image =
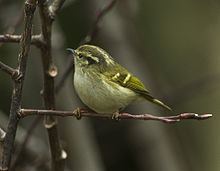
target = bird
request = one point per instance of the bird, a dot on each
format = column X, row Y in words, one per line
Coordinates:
column 104, row 85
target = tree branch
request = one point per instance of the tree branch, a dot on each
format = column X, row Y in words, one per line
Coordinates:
column 122, row 116
column 89, row 37
column 11, row 38
column 50, row 71
column 30, row 6
column 7, row 69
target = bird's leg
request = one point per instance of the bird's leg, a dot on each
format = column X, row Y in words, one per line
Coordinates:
column 115, row 116
column 77, row 113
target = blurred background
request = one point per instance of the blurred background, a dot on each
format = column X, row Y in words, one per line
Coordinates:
column 172, row 46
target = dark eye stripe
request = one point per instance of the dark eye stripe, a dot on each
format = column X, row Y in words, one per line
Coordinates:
column 91, row 61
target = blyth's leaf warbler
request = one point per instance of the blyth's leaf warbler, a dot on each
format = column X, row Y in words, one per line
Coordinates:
column 104, row 85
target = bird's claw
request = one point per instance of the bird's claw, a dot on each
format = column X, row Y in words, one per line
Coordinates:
column 115, row 116
column 77, row 113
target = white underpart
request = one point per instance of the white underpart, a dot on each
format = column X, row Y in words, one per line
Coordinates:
column 100, row 95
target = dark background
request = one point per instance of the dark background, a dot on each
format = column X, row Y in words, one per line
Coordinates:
column 173, row 46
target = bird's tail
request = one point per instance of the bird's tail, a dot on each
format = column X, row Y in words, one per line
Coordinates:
column 156, row 101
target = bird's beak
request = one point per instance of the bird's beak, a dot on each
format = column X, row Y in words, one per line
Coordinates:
column 72, row 51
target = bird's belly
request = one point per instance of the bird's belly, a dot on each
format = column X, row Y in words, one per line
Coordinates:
column 101, row 96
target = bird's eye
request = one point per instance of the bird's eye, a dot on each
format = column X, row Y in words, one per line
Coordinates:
column 80, row 56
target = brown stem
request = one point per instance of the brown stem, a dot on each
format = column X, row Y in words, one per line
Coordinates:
column 11, row 38
column 30, row 6
column 121, row 116
column 50, row 71
column 7, row 69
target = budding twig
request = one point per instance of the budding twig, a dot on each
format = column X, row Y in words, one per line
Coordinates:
column 11, row 38
column 30, row 6
column 121, row 116
column 7, row 69
column 49, row 72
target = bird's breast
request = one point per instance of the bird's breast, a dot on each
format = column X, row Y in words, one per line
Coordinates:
column 100, row 94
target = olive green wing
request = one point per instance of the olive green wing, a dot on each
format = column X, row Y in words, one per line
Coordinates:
column 129, row 81
column 122, row 77
column 125, row 79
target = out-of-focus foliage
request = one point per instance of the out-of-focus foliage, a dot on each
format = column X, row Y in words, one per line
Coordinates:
column 173, row 46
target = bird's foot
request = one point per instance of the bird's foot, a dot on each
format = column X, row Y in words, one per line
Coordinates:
column 115, row 116
column 78, row 113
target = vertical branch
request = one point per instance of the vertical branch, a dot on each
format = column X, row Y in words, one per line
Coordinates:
column 50, row 71
column 8, row 145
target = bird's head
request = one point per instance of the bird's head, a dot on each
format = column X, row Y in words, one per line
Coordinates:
column 91, row 57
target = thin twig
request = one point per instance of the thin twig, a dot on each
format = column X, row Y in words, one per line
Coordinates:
column 50, row 71
column 7, row 69
column 88, row 38
column 53, row 10
column 11, row 38
column 29, row 9
column 121, row 116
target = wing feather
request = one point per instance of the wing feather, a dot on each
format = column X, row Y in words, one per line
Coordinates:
column 122, row 77
column 125, row 79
